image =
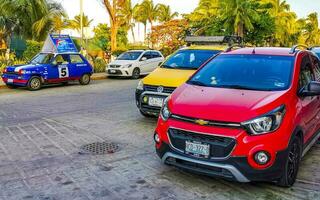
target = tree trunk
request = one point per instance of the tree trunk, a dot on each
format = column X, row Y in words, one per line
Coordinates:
column 240, row 30
column 133, row 36
column 145, row 32
column 114, row 32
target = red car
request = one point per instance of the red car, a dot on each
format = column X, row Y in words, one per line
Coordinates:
column 247, row 115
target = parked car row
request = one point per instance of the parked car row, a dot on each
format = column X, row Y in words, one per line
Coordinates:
column 247, row 114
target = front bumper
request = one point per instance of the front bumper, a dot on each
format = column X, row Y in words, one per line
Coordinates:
column 118, row 72
column 233, row 168
column 142, row 101
column 11, row 79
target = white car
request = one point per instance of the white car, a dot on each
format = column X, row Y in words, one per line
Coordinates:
column 135, row 63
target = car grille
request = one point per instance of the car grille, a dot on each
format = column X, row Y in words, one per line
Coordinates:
column 117, row 72
column 220, row 147
column 114, row 66
column 12, row 73
column 152, row 88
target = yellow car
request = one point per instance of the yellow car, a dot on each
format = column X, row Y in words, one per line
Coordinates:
column 176, row 70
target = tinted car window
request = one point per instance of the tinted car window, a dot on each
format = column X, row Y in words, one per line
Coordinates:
column 252, row 72
column 156, row 54
column 132, row 55
column 148, row 55
column 189, row 59
column 316, row 67
column 76, row 59
column 306, row 75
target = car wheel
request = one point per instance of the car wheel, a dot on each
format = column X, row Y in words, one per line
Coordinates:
column 65, row 83
column 34, row 83
column 85, row 79
column 292, row 164
column 136, row 73
column 146, row 114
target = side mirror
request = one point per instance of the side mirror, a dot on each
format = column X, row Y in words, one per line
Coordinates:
column 143, row 59
column 312, row 89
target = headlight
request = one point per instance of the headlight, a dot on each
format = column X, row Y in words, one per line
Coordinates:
column 5, row 70
column 140, row 85
column 165, row 112
column 127, row 66
column 22, row 71
column 267, row 123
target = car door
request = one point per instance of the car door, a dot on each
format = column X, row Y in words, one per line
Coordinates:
column 309, row 105
column 316, row 70
column 77, row 66
column 144, row 62
column 59, row 70
column 157, row 59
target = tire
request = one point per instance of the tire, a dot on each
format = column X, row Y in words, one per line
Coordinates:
column 34, row 83
column 65, row 83
column 135, row 73
column 291, row 168
column 85, row 79
column 146, row 114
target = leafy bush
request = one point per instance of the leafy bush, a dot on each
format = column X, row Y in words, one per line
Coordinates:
column 99, row 65
column 12, row 61
column 33, row 48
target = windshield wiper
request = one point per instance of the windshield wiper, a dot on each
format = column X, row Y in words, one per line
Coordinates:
column 240, row 87
column 199, row 83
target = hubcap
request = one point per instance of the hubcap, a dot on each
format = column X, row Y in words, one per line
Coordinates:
column 35, row 83
column 85, row 78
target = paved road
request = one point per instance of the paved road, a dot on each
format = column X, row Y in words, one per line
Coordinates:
column 41, row 133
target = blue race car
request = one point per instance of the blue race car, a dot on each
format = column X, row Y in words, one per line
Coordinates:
column 58, row 62
column 46, row 68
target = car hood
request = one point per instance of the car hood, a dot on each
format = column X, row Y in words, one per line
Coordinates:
column 122, row 62
column 222, row 104
column 16, row 68
column 168, row 77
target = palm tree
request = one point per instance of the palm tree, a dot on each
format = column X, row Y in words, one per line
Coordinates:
column 59, row 24
column 150, row 10
column 40, row 14
column 127, row 13
column 164, row 13
column 140, row 16
column 312, row 29
column 76, row 22
column 285, row 21
column 238, row 15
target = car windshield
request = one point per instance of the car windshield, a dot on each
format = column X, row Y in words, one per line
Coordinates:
column 316, row 51
column 189, row 59
column 132, row 55
column 42, row 58
column 248, row 72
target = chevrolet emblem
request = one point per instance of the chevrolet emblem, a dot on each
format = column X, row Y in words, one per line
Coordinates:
column 201, row 122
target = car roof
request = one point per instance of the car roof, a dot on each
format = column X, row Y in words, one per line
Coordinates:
column 276, row 51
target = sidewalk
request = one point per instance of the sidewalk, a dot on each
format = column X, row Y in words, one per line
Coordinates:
column 95, row 76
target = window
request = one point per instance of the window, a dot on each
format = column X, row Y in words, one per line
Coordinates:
column 189, row 59
column 250, row 72
column 130, row 55
column 61, row 59
column 42, row 58
column 316, row 67
column 156, row 54
column 76, row 59
column 306, row 75
column 148, row 55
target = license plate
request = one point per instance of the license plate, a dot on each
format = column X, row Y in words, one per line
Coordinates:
column 198, row 149
column 10, row 81
column 112, row 71
column 157, row 102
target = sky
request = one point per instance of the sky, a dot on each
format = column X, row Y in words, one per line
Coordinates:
column 96, row 11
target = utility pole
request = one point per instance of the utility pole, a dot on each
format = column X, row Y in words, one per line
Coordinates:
column 81, row 22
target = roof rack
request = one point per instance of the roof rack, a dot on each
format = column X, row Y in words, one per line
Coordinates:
column 205, row 40
column 234, row 46
column 294, row 48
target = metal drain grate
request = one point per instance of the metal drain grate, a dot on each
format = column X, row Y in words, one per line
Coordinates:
column 99, row 148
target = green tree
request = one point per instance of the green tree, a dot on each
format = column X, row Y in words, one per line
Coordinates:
column 59, row 24
column 102, row 37
column 141, row 17
column 76, row 22
column 312, row 32
column 31, row 18
column 164, row 13
column 239, row 15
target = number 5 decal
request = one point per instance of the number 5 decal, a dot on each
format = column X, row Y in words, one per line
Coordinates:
column 63, row 72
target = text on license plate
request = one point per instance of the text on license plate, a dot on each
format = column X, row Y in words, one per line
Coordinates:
column 10, row 81
column 153, row 101
column 112, row 71
column 198, row 149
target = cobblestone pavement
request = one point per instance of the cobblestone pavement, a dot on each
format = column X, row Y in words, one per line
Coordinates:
column 41, row 133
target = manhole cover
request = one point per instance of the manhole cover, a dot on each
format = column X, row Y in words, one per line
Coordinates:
column 99, row 148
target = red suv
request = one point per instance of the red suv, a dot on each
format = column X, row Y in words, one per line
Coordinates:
column 247, row 115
